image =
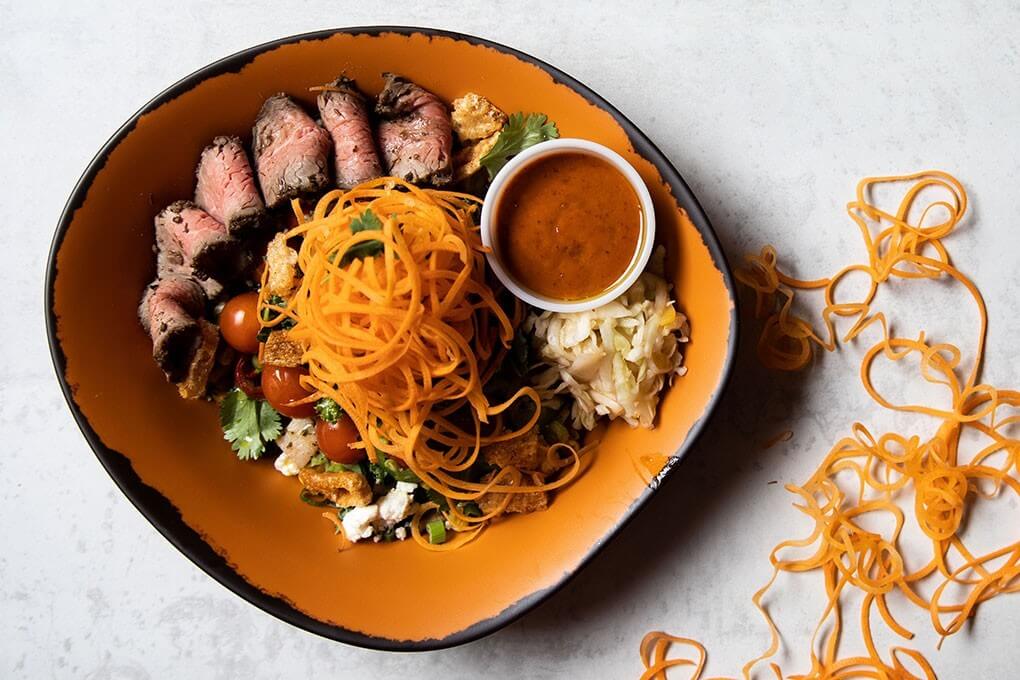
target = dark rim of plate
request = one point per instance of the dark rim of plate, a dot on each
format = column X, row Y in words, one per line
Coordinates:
column 164, row 516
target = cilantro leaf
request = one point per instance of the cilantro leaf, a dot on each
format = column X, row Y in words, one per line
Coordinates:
column 248, row 424
column 328, row 410
column 521, row 131
column 270, row 426
column 239, row 419
column 366, row 221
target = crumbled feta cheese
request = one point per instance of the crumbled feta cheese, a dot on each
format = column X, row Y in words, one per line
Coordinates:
column 406, row 487
column 297, row 445
column 358, row 522
column 395, row 505
column 400, row 533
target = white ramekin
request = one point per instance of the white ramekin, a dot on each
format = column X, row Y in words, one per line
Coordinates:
column 646, row 240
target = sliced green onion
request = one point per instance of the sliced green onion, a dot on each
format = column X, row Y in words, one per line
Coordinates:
column 436, row 529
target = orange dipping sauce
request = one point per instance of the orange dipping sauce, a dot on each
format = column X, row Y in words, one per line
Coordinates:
column 567, row 225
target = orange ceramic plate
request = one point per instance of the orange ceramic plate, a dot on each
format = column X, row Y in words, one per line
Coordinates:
column 241, row 522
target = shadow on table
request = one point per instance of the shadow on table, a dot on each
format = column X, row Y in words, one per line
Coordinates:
column 753, row 411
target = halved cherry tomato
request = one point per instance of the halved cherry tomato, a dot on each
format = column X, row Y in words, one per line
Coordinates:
column 239, row 322
column 282, row 388
column 246, row 379
column 335, row 440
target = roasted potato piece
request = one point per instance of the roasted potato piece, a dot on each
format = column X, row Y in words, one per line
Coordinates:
column 475, row 117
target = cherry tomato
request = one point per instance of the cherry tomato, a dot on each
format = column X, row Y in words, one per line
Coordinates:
column 282, row 388
column 239, row 322
column 246, row 379
column 335, row 440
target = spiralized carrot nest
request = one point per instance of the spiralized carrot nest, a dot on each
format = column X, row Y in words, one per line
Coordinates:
column 891, row 468
column 404, row 340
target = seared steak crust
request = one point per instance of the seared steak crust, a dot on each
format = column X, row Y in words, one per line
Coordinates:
column 344, row 113
column 190, row 239
column 415, row 135
column 170, row 313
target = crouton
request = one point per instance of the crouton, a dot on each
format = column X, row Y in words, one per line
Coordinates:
column 520, row 452
column 520, row 503
column 194, row 383
column 280, row 350
column 281, row 261
column 468, row 160
column 475, row 117
column 345, row 489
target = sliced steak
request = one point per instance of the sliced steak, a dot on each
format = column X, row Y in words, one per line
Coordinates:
column 170, row 312
column 213, row 289
column 291, row 151
column 344, row 113
column 226, row 186
column 415, row 135
column 189, row 238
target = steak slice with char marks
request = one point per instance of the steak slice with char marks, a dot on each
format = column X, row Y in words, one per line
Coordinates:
column 415, row 135
column 170, row 312
column 226, row 185
column 291, row 151
column 190, row 239
column 344, row 113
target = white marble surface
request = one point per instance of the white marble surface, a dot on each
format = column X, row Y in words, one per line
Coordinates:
column 771, row 113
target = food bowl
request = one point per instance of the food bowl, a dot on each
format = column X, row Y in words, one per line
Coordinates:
column 646, row 239
column 241, row 522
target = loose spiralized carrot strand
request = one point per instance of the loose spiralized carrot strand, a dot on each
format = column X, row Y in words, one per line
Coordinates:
column 338, row 528
column 654, row 648
column 905, row 243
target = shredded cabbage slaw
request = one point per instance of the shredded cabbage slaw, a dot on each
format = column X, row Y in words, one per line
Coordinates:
column 615, row 359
